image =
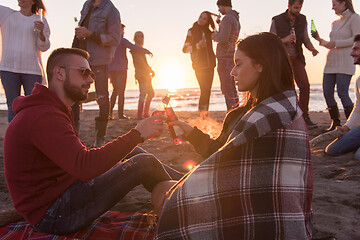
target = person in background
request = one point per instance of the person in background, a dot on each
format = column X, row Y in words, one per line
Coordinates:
column 99, row 33
column 226, row 38
column 143, row 75
column 282, row 25
column 339, row 67
column 56, row 183
column 118, row 73
column 199, row 44
column 256, row 181
column 350, row 141
column 20, row 61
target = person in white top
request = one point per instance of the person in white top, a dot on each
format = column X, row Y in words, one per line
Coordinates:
column 350, row 141
column 339, row 67
column 25, row 34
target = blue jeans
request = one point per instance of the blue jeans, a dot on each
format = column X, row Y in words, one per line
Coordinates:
column 12, row 85
column 227, row 82
column 118, row 80
column 342, row 82
column 83, row 202
column 350, row 142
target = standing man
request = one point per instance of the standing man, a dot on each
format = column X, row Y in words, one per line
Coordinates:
column 351, row 130
column 291, row 27
column 99, row 33
column 226, row 38
column 56, row 183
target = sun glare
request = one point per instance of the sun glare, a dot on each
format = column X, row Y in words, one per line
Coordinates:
column 171, row 77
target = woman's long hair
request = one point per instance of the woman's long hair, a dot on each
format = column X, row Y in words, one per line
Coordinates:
column 210, row 22
column 38, row 4
column 269, row 51
column 348, row 4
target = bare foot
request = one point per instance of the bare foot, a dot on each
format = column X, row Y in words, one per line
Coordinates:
column 159, row 193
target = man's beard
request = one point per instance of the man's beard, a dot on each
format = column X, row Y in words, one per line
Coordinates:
column 357, row 62
column 294, row 14
column 73, row 92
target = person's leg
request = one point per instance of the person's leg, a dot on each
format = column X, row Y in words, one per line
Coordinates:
column 348, row 143
column 342, row 87
column 205, row 79
column 142, row 96
column 329, row 81
column 114, row 79
column 28, row 81
column 150, row 93
column 227, row 83
column 12, row 87
column 102, row 95
column 83, row 202
column 121, row 92
column 303, row 84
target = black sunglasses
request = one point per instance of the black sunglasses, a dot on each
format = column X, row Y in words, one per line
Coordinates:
column 85, row 72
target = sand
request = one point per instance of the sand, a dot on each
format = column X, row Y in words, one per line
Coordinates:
column 336, row 200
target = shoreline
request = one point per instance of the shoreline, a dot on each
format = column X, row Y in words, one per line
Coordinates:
column 336, row 198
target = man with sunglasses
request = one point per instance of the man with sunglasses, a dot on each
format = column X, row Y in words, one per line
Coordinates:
column 99, row 33
column 56, row 183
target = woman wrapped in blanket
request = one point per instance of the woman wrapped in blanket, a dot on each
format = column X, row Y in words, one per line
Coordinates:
column 256, row 181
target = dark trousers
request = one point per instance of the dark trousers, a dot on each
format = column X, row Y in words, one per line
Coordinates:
column 102, row 93
column 118, row 80
column 205, row 79
column 302, row 81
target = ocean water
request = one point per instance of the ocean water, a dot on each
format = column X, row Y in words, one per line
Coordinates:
column 187, row 99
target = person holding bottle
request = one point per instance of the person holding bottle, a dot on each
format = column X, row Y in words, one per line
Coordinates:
column 199, row 44
column 20, row 61
column 143, row 75
column 118, row 73
column 291, row 27
column 339, row 67
column 257, row 177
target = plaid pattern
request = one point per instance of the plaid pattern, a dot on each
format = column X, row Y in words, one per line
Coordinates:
column 257, row 186
column 111, row 225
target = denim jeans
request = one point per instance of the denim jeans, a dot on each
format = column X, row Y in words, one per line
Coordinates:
column 350, row 142
column 342, row 82
column 12, row 85
column 83, row 202
column 118, row 80
column 227, row 82
column 205, row 79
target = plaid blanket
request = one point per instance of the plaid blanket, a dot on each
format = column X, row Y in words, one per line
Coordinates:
column 111, row 225
column 257, row 186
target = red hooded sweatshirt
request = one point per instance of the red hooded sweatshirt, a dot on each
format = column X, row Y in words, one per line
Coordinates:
column 43, row 154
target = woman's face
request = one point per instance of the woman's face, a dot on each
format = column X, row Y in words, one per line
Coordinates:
column 246, row 73
column 338, row 7
column 25, row 3
column 139, row 39
column 203, row 19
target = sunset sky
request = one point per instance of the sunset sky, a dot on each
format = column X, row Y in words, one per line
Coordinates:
column 165, row 24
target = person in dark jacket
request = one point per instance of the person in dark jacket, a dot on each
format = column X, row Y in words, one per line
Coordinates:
column 199, row 44
column 291, row 27
column 118, row 73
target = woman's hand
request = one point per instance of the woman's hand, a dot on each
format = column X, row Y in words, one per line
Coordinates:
column 39, row 27
column 184, row 126
column 330, row 45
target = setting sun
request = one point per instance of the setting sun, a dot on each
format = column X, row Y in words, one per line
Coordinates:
column 171, row 76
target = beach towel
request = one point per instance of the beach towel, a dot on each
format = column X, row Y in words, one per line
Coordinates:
column 257, row 186
column 111, row 225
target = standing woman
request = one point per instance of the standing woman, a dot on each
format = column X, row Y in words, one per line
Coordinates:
column 199, row 44
column 143, row 74
column 339, row 66
column 25, row 35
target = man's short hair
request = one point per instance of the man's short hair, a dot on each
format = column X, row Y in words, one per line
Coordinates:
column 59, row 57
column 291, row 2
column 357, row 38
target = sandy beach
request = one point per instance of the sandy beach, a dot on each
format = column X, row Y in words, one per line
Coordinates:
column 336, row 200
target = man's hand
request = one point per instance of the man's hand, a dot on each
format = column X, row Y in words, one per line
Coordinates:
column 330, row 45
column 151, row 127
column 314, row 52
column 343, row 129
column 214, row 35
column 289, row 39
column 82, row 32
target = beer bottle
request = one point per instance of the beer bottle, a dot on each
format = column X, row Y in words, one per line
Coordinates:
column 313, row 29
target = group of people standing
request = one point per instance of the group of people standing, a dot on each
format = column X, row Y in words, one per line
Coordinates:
column 256, row 180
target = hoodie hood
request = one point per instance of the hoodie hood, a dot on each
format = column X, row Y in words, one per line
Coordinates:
column 40, row 95
column 234, row 13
